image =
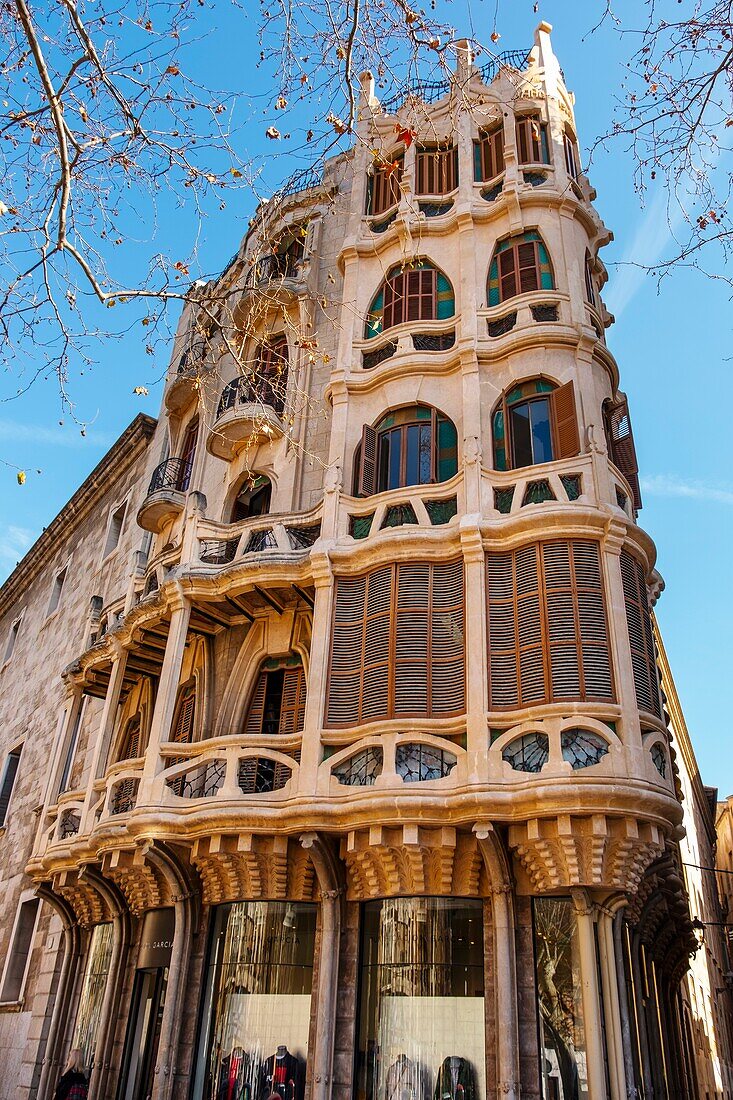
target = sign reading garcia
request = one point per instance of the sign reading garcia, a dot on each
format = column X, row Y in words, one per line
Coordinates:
column 156, row 940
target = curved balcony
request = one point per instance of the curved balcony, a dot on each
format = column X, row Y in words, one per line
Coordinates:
column 184, row 380
column 279, row 536
column 247, row 416
column 166, row 493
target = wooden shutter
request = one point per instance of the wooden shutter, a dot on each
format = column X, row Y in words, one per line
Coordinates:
column 383, row 188
column 447, row 640
column 548, row 637
column 292, row 709
column 641, row 637
column 182, row 730
column 528, row 264
column 12, row 762
column 566, row 437
column 507, row 274
column 410, row 666
column 436, row 171
column 524, row 144
column 375, row 687
column 256, row 709
column 571, row 156
column 621, row 446
column 492, row 153
column 130, row 748
column 368, row 462
column 530, row 147
column 345, row 667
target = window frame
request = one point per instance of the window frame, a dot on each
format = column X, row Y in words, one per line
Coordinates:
column 254, row 714
column 564, row 424
column 572, row 154
column 392, row 304
column 437, row 164
column 590, row 286
column 27, row 897
column 57, row 589
column 270, row 366
column 528, row 142
column 6, row 796
column 367, row 463
column 254, row 492
column 489, row 148
column 383, row 181
column 189, row 437
column 115, row 509
column 12, row 637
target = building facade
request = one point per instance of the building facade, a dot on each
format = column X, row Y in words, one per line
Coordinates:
column 346, row 772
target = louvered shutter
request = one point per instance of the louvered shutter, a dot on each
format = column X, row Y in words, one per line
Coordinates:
column 592, row 624
column 529, row 266
column 507, row 274
column 492, row 153
column 394, row 297
column 183, row 725
column 564, row 421
column 368, row 462
column 292, row 710
column 524, row 143
column 502, row 640
column 447, row 640
column 621, row 445
column 375, row 701
column 410, row 666
column 130, row 748
column 641, row 638
column 562, row 641
column 345, row 668
column 11, row 770
column 256, row 710
column 532, row 686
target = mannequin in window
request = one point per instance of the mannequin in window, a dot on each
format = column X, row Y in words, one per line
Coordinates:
column 252, row 499
column 233, row 1083
column 404, row 1080
column 282, row 1076
column 455, row 1080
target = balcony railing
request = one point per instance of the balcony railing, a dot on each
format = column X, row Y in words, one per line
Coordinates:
column 243, row 392
column 173, row 473
column 272, row 267
column 221, row 544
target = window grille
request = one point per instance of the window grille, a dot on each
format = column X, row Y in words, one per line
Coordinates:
column 441, row 511
column 528, row 753
column 371, row 359
column 262, row 775
column 218, row 551
column 397, row 515
column 503, row 499
column 261, row 540
column 544, row 313
column 582, row 748
column 659, row 759
column 360, row 526
column 503, row 325
column 361, row 769
column 537, row 492
column 418, row 763
column 433, row 341
column 572, row 484
column 301, row 538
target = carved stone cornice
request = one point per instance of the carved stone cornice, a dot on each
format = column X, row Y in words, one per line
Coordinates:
column 141, row 882
column 570, row 850
column 249, row 866
column 88, row 903
column 410, row 859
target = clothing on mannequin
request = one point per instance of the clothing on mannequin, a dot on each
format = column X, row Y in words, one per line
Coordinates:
column 282, row 1074
column 455, row 1080
column 404, row 1080
column 234, row 1081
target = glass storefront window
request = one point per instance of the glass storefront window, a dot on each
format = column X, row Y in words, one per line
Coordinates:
column 257, row 1002
column 421, row 1000
column 92, row 992
column 559, row 1000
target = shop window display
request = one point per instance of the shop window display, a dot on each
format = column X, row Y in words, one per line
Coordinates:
column 92, row 992
column 559, row 1000
column 257, row 1003
column 421, row 1000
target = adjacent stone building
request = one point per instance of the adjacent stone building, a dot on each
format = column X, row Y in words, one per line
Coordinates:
column 335, row 758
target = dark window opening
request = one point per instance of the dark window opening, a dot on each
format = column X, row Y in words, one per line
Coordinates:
column 252, row 499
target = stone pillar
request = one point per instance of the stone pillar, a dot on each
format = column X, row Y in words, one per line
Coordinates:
column 185, row 913
column 52, row 1066
column 505, row 962
column 585, row 914
column 612, row 1011
column 106, row 732
column 115, row 979
column 474, row 599
column 165, row 700
column 330, row 876
column 310, row 753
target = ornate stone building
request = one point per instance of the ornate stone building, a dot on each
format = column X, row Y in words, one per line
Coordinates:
column 335, row 758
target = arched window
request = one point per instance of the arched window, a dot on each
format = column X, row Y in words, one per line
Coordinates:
column 436, row 170
column 590, row 290
column 416, row 445
column 270, row 367
column 535, row 422
column 417, row 293
column 520, row 264
column 252, row 498
column 572, row 157
column 277, row 703
column 131, row 744
column 185, row 712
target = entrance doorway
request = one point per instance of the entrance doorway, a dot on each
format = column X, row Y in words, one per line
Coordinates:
column 143, row 1034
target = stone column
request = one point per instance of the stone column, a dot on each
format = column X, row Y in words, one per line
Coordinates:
column 610, row 992
column 310, row 757
column 52, row 1066
column 585, row 914
column 106, row 731
column 165, row 700
column 505, row 962
column 474, row 599
column 185, row 913
column 115, row 979
column 329, row 872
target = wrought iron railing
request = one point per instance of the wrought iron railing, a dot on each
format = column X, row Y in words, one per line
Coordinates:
column 510, row 59
column 272, row 267
column 243, row 392
column 172, row 473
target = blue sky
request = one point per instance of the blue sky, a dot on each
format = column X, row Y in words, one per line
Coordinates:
column 672, row 345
